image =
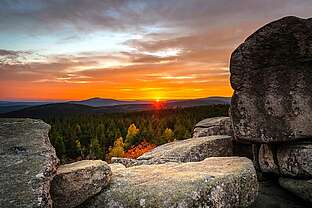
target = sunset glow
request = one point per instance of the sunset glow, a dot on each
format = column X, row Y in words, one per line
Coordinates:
column 125, row 49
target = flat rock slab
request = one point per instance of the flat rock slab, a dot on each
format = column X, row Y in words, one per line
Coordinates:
column 28, row 163
column 76, row 182
column 271, row 76
column 301, row 188
column 214, row 182
column 128, row 162
column 190, row 150
column 213, row 126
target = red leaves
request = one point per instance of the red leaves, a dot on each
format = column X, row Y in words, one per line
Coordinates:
column 138, row 150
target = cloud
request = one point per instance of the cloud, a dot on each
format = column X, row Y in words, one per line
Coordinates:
column 38, row 16
column 177, row 48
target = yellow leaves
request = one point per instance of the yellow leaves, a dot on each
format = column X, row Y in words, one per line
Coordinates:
column 168, row 135
column 132, row 131
column 117, row 150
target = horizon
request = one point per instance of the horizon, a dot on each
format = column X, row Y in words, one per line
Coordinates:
column 147, row 100
column 75, row 50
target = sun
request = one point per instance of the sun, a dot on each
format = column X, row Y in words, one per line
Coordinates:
column 157, row 100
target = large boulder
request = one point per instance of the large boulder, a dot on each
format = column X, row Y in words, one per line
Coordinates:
column 213, row 126
column 214, row 182
column 271, row 76
column 189, row 150
column 28, row 163
column 76, row 182
column 292, row 160
column 301, row 188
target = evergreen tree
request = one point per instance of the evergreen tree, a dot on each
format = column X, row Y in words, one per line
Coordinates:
column 60, row 147
column 96, row 151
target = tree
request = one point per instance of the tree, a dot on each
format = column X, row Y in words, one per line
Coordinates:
column 60, row 147
column 168, row 135
column 132, row 135
column 95, row 149
column 117, row 150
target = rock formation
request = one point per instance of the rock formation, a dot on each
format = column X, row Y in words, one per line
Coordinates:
column 28, row 163
column 222, row 126
column 189, row 150
column 214, row 182
column 213, row 126
column 74, row 183
column 271, row 76
column 272, row 103
column 292, row 160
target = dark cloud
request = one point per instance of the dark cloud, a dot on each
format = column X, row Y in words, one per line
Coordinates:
column 84, row 15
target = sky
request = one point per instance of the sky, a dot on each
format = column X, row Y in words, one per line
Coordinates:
column 164, row 49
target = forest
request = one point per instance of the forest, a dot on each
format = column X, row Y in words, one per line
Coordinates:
column 102, row 136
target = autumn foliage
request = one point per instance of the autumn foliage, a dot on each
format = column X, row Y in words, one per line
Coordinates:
column 138, row 150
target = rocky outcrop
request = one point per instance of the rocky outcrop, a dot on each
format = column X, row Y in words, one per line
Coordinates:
column 28, row 163
column 301, row 188
column 76, row 182
column 292, row 160
column 189, row 150
column 213, row 182
column 213, row 126
column 271, row 76
column 295, row 160
column 272, row 102
column 221, row 126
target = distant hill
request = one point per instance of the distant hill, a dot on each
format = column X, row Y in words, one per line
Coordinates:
column 100, row 105
column 200, row 102
column 8, row 106
column 101, row 102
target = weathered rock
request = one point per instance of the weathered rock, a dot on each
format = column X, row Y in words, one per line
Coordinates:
column 213, row 126
column 271, row 195
column 293, row 159
column 133, row 162
column 301, row 188
column 271, row 76
column 76, row 182
column 214, row 182
column 189, row 150
column 28, row 163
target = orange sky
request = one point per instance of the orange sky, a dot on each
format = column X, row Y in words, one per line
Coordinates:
column 112, row 49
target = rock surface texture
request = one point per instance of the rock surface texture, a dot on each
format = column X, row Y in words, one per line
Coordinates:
column 213, row 182
column 28, row 163
column 301, row 188
column 190, row 150
column 76, row 182
column 294, row 160
column 271, row 76
column 213, row 126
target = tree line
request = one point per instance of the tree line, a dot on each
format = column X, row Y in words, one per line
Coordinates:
column 101, row 136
